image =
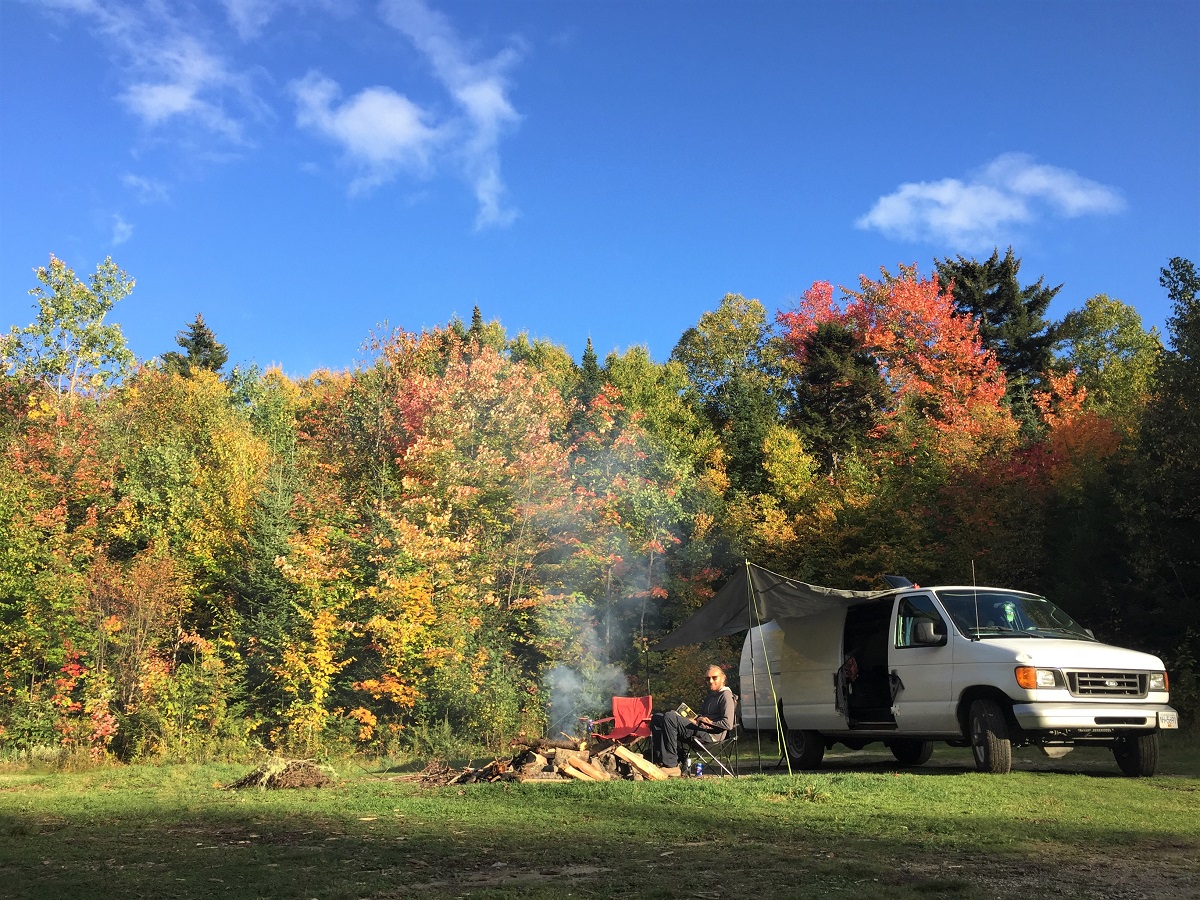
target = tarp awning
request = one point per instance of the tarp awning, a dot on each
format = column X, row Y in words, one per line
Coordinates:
column 755, row 595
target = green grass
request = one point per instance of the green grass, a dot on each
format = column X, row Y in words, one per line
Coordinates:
column 861, row 828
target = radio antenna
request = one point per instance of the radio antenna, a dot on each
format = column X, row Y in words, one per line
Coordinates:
column 975, row 593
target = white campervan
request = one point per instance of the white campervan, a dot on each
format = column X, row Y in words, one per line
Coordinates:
column 979, row 666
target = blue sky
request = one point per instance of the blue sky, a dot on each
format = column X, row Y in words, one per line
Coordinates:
column 301, row 170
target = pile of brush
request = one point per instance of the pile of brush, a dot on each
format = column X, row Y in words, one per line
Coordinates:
column 279, row 773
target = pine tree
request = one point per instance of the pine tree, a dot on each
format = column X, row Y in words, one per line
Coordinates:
column 591, row 377
column 202, row 351
column 1011, row 319
column 838, row 393
column 1165, row 503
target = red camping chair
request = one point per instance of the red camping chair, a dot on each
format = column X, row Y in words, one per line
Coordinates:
column 630, row 718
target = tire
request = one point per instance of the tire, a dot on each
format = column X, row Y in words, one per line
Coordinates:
column 805, row 748
column 990, row 743
column 911, row 752
column 1137, row 755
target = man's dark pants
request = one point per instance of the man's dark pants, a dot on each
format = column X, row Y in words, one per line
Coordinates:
column 671, row 732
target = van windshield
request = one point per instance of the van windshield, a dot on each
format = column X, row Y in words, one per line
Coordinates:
column 988, row 613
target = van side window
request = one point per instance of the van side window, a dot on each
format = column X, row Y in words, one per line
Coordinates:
column 913, row 611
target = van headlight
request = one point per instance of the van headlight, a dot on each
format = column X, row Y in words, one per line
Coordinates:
column 1031, row 679
column 1158, row 681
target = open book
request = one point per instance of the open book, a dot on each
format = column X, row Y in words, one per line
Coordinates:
column 686, row 711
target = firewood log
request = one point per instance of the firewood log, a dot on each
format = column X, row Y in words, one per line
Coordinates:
column 640, row 764
column 593, row 772
column 571, row 772
column 532, row 763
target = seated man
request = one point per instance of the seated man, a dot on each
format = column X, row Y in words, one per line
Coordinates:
column 671, row 730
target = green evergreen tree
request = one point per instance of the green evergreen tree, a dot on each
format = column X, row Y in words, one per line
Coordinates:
column 591, row 376
column 1167, row 498
column 1011, row 318
column 201, row 351
column 838, row 393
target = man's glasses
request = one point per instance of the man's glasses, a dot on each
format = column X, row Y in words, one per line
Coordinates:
column 713, row 677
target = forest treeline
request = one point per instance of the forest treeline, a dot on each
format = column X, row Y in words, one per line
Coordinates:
column 196, row 558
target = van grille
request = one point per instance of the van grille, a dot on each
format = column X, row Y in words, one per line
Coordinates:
column 1107, row 684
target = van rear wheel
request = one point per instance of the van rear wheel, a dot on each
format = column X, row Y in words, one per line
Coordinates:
column 911, row 752
column 1137, row 755
column 805, row 748
column 990, row 743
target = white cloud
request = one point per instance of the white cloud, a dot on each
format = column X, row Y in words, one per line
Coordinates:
column 248, row 17
column 380, row 130
column 480, row 90
column 147, row 190
column 176, row 78
column 121, row 230
column 169, row 73
column 1012, row 190
column 184, row 80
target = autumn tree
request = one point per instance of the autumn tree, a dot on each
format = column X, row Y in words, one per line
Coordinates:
column 1115, row 356
column 938, row 375
column 551, row 360
column 190, row 469
column 70, row 346
column 54, row 491
column 732, row 364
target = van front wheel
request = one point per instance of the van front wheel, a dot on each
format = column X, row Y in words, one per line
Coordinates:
column 805, row 748
column 911, row 752
column 1137, row 755
column 990, row 743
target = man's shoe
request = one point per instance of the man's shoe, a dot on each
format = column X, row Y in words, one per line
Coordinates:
column 672, row 771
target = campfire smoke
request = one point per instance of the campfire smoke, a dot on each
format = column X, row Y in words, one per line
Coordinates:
column 580, row 694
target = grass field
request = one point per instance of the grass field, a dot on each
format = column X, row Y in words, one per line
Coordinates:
column 860, row 828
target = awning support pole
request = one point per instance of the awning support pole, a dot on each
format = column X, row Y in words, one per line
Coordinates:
column 754, row 614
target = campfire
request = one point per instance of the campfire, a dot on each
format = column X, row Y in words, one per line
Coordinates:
column 545, row 761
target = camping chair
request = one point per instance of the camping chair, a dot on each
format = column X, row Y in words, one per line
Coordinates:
column 630, row 718
column 720, row 753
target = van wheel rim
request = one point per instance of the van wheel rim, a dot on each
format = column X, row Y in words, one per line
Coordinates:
column 978, row 741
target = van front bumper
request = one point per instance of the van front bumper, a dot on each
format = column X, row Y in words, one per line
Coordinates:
column 1093, row 717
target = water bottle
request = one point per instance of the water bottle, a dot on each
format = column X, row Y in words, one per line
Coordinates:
column 699, row 770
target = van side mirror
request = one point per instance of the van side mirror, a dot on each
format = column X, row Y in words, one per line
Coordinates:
column 925, row 634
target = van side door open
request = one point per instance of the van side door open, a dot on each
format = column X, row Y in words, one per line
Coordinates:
column 863, row 686
column 921, row 659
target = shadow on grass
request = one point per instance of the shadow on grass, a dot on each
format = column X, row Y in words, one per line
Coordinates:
column 839, row 836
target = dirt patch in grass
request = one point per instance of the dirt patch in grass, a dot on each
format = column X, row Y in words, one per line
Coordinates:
column 1167, row 872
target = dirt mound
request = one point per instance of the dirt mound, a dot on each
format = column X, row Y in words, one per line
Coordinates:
column 285, row 773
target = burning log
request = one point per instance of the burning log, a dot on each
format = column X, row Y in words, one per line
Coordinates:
column 541, row 745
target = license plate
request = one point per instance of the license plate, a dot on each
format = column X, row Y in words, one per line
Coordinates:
column 1168, row 720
